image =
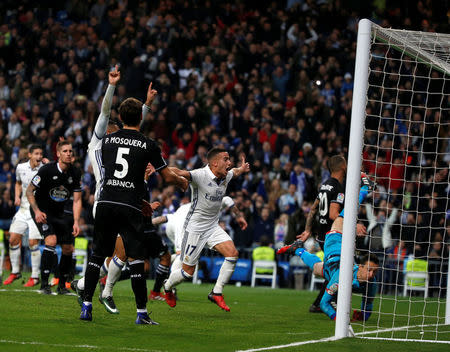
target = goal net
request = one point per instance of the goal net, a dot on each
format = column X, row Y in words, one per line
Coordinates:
column 401, row 139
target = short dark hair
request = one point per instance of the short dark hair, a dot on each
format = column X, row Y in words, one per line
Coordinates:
column 214, row 151
column 335, row 163
column 130, row 111
column 62, row 143
column 33, row 147
column 370, row 258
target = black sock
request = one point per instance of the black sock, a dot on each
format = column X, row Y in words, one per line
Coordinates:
column 47, row 260
column 64, row 269
column 125, row 273
column 162, row 273
column 72, row 269
column 322, row 291
column 138, row 283
column 92, row 275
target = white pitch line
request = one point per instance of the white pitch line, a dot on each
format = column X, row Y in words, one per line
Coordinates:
column 79, row 346
column 326, row 339
column 17, row 290
column 405, row 340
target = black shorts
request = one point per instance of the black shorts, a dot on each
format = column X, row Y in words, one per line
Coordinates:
column 154, row 245
column 114, row 219
column 61, row 226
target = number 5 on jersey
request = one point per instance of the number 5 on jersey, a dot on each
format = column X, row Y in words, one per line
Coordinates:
column 122, row 161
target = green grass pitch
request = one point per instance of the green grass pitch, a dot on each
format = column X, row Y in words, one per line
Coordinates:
column 260, row 317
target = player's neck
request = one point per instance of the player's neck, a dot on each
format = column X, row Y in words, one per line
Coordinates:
column 34, row 163
column 135, row 128
column 338, row 176
column 63, row 166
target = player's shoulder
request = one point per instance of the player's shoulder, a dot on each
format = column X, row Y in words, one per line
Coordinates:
column 50, row 166
column 22, row 166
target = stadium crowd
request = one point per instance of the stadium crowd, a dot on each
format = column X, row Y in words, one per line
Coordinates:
column 273, row 80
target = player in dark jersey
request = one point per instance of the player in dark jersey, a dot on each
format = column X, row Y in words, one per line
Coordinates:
column 49, row 191
column 329, row 203
column 125, row 155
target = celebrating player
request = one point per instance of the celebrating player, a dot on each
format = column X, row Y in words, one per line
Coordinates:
column 119, row 208
column 201, row 226
column 23, row 221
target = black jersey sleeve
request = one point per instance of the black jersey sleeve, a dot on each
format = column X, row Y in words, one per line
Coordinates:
column 155, row 156
column 76, row 180
column 40, row 178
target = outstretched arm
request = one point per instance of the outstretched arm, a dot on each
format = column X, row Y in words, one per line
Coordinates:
column 173, row 177
column 105, row 112
column 244, row 168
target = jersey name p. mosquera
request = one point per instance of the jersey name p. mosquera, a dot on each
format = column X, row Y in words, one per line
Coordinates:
column 125, row 155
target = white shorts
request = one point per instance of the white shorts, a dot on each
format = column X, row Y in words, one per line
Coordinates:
column 22, row 222
column 194, row 242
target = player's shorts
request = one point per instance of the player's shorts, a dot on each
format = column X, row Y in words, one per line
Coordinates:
column 194, row 242
column 61, row 226
column 113, row 219
column 22, row 222
column 154, row 244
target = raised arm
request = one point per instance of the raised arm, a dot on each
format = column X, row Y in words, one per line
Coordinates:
column 146, row 107
column 244, row 168
column 105, row 111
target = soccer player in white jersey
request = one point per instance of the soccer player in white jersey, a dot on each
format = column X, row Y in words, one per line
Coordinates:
column 22, row 221
column 175, row 224
column 201, row 227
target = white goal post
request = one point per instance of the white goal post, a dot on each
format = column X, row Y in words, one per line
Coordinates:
column 400, row 131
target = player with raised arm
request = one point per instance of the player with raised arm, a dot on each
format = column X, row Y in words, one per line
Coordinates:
column 48, row 192
column 201, row 227
column 175, row 222
column 103, row 126
column 119, row 208
column 23, row 221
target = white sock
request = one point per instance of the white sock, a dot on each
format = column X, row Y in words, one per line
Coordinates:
column 2, row 257
column 14, row 256
column 80, row 284
column 114, row 270
column 226, row 271
column 35, row 261
column 175, row 278
column 104, row 269
column 177, row 264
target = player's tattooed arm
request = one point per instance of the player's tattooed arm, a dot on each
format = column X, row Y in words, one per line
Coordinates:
column 176, row 177
column 309, row 221
column 159, row 220
column 239, row 218
column 40, row 217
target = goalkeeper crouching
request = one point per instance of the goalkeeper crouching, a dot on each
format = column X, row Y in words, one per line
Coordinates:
column 363, row 274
